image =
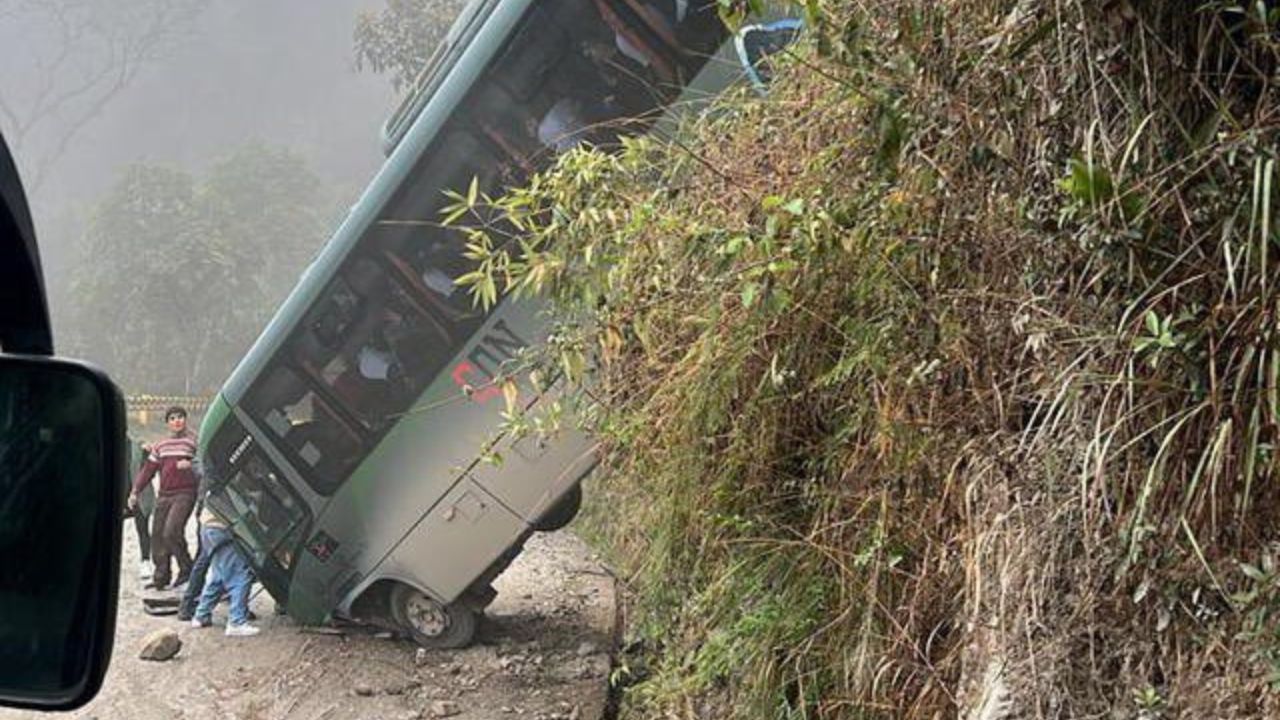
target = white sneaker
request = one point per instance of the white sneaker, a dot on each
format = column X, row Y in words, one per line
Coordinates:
column 242, row 630
column 198, row 623
column 145, row 570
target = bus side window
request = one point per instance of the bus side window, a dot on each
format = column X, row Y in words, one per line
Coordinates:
column 583, row 97
column 531, row 55
column 427, row 257
column 503, row 122
column 319, row 444
column 387, row 353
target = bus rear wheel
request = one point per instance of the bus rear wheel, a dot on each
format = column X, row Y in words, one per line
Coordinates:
column 431, row 624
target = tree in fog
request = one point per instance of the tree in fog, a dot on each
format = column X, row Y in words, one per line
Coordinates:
column 179, row 274
column 399, row 40
column 72, row 59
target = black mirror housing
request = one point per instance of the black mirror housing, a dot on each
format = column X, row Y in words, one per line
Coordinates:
column 62, row 490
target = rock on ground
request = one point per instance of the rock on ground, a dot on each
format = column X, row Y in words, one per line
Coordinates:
column 160, row 645
column 553, row 603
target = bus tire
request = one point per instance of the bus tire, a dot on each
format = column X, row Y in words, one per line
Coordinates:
column 562, row 513
column 431, row 624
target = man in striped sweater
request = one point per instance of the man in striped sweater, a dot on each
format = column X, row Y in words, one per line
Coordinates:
column 174, row 460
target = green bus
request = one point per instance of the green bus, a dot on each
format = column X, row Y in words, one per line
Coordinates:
column 345, row 449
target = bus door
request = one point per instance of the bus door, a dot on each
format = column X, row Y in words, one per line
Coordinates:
column 267, row 516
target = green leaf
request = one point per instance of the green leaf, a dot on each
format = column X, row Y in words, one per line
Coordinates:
column 771, row 201
column 1153, row 323
column 1253, row 572
column 455, row 212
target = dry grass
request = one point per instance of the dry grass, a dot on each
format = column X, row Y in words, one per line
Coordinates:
column 943, row 381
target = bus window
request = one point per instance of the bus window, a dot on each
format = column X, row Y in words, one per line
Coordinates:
column 567, row 93
column 531, row 55
column 316, row 440
column 385, row 351
column 502, row 121
column 265, row 511
column 287, row 552
column 426, row 257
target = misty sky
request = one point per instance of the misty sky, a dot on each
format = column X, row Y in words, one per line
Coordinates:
column 278, row 71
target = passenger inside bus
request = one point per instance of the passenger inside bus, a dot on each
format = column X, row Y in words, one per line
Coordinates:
column 617, row 72
column 378, row 355
column 439, row 263
column 563, row 127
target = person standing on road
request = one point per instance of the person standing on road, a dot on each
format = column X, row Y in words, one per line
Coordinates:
column 142, row 514
column 173, row 459
column 204, row 556
column 229, row 572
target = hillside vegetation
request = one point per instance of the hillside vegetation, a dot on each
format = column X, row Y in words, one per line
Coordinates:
column 943, row 381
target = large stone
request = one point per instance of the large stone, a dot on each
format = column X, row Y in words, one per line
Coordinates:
column 160, row 645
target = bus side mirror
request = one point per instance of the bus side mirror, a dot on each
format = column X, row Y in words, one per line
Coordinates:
column 62, row 490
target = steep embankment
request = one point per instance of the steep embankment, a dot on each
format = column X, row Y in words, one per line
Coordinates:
column 942, row 382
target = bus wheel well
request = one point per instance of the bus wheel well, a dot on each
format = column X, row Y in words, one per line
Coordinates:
column 562, row 512
column 374, row 604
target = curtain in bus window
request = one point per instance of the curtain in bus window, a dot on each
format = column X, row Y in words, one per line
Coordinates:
column 305, row 426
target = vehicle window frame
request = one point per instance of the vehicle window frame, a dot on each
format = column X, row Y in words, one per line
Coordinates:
column 324, row 484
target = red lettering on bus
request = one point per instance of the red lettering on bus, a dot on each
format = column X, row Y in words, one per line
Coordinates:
column 461, row 377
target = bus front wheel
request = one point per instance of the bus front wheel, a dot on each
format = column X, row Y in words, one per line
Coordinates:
column 431, row 624
column 562, row 513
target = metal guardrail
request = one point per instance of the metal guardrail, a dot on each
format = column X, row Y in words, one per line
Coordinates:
column 142, row 405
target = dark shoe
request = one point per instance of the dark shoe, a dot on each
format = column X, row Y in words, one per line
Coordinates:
column 156, row 585
column 182, row 579
column 184, row 616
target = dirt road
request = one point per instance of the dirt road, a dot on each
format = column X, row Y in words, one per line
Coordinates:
column 542, row 653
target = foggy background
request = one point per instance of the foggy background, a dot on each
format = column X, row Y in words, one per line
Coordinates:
column 183, row 160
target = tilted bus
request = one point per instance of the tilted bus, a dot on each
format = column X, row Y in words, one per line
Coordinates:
column 345, row 449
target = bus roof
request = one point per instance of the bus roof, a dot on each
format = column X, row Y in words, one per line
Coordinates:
column 458, row 73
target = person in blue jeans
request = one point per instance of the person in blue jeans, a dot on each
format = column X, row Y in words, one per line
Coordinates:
column 229, row 572
column 200, row 568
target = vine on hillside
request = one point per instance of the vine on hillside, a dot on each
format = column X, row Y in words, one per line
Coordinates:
column 942, row 380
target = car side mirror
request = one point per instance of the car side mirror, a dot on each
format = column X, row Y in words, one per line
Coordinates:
column 62, row 491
